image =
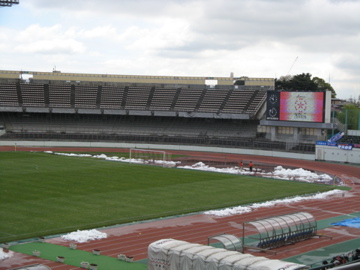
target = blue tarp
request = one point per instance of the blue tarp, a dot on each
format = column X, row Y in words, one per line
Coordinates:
column 355, row 222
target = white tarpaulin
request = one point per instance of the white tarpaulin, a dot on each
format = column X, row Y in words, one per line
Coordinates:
column 246, row 262
column 276, row 264
column 170, row 254
column 178, row 257
column 158, row 258
column 231, row 260
column 200, row 258
column 190, row 255
column 213, row 262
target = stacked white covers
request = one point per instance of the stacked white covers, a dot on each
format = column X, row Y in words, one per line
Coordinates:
column 274, row 264
column 170, row 254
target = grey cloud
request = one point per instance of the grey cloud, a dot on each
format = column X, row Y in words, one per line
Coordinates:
column 193, row 48
column 351, row 63
column 279, row 20
column 232, row 24
column 344, row 1
column 232, row 18
column 246, row 23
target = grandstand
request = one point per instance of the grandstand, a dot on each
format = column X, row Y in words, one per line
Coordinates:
column 157, row 109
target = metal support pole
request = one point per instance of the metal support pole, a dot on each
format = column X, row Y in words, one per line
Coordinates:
column 346, row 121
column 333, row 121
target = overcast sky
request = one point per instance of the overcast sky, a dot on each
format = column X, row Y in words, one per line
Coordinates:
column 254, row 38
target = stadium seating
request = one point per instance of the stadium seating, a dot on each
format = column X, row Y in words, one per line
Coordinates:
column 85, row 96
column 212, row 100
column 60, row 96
column 143, row 98
column 217, row 116
column 137, row 98
column 237, row 101
column 8, row 95
column 32, row 95
column 173, row 130
column 188, row 99
column 111, row 97
column 162, row 99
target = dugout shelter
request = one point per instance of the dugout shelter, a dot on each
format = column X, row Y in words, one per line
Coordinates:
column 281, row 230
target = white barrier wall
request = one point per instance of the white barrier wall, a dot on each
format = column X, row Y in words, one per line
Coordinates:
column 323, row 153
column 333, row 153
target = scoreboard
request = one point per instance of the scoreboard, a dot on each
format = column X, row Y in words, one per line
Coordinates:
column 295, row 106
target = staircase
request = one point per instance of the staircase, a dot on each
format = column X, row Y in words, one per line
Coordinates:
column 338, row 125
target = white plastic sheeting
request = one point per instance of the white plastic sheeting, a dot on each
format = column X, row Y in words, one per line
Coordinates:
column 179, row 261
column 170, row 254
column 244, row 263
column 231, row 260
column 273, row 264
column 213, row 262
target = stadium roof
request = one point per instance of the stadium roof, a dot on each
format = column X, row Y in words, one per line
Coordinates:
column 148, row 79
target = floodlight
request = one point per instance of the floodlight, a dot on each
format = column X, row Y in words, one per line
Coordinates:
column 8, row 3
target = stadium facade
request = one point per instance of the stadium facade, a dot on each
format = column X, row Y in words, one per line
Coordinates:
column 153, row 109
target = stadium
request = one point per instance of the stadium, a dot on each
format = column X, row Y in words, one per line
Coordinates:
column 153, row 109
column 215, row 120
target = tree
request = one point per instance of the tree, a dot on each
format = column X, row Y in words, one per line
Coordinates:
column 322, row 85
column 303, row 82
column 297, row 82
column 350, row 114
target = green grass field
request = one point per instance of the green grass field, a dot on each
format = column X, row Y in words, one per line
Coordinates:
column 44, row 194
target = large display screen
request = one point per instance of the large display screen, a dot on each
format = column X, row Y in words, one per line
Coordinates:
column 295, row 106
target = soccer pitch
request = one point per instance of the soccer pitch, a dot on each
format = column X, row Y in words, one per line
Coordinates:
column 44, row 194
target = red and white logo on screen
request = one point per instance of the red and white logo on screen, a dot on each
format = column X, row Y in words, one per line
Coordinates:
column 300, row 104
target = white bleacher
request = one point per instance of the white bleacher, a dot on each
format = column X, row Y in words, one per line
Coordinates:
column 8, row 95
column 32, row 95
column 59, row 96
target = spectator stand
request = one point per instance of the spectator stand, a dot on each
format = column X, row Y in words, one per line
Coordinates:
column 278, row 231
column 228, row 241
